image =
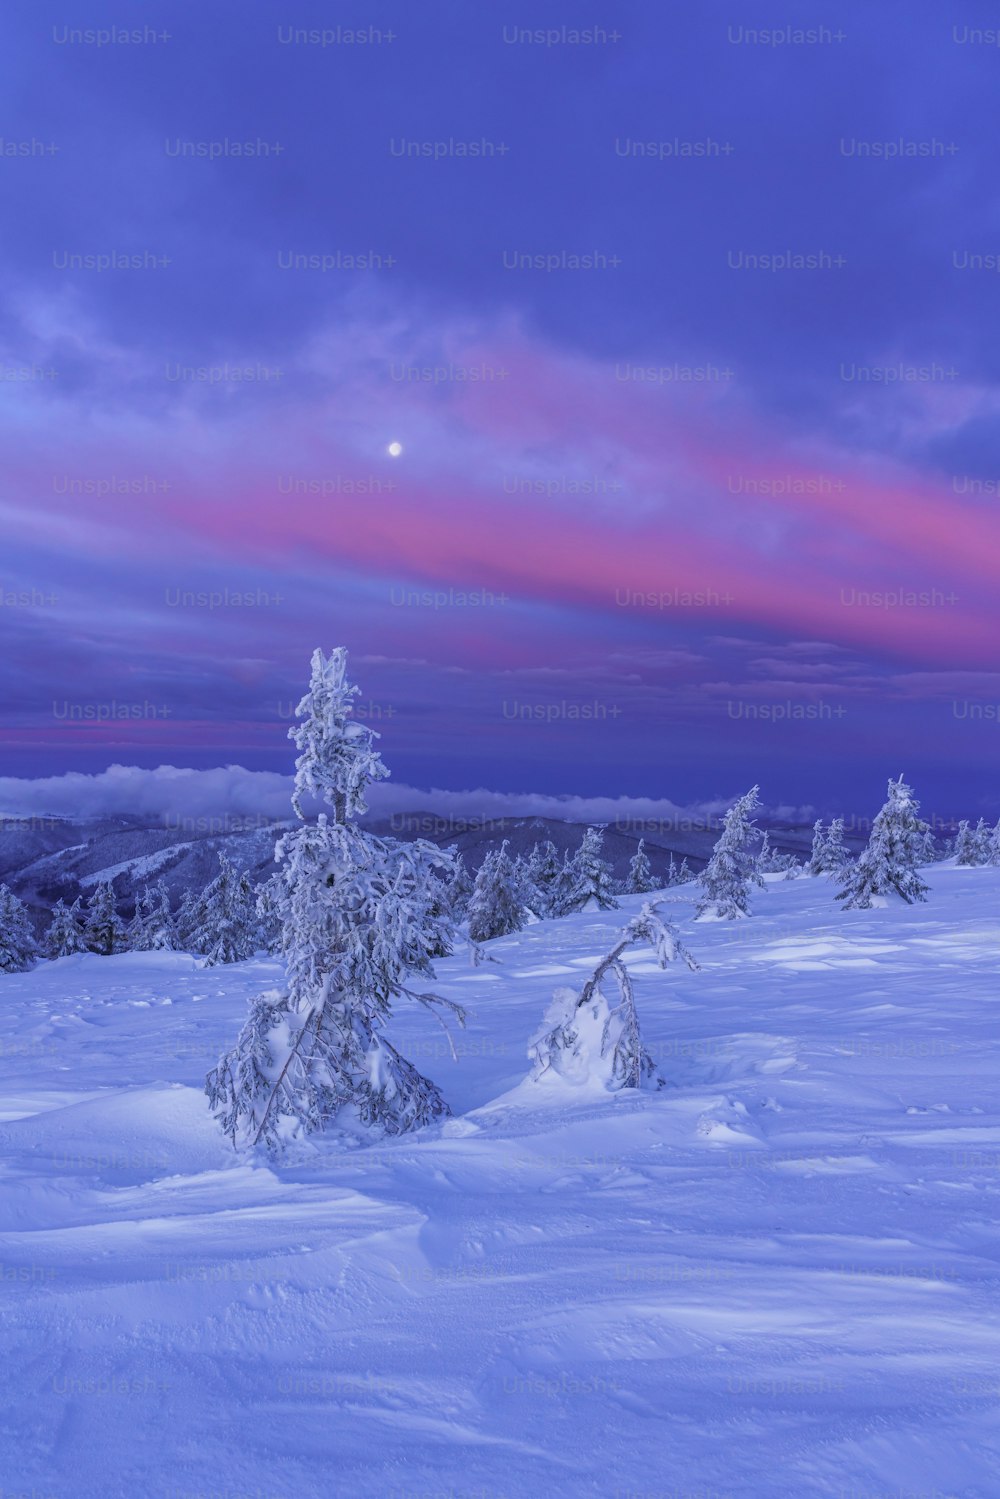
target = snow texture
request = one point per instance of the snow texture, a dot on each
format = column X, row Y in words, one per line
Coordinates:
column 774, row 1277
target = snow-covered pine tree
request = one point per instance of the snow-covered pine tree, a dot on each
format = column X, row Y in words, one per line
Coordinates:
column 356, row 925
column 134, row 929
column 640, row 876
column 671, row 872
column 152, row 927
column 439, row 916
column 546, row 872
column 105, row 930
column 185, row 920
column 966, row 852
column 728, row 876
column 531, row 899
column 18, row 948
column 66, row 931
column 460, row 885
column 889, row 863
column 829, row 853
column 497, row 904
column 161, row 932
column 684, row 874
column 563, row 885
column 814, row 864
column 528, row 867
column 995, row 845
column 835, row 854
column 224, row 925
column 929, row 850
column 590, row 886
column 981, row 838
column 764, row 854
column 266, row 909
column 585, row 1037
column 533, row 861
column 770, row 861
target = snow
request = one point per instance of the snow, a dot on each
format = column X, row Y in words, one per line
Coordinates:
column 138, row 870
column 776, row 1277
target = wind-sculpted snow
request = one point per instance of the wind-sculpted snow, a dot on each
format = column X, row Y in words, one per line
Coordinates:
column 777, row 1276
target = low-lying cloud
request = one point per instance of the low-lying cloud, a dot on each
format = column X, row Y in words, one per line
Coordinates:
column 171, row 791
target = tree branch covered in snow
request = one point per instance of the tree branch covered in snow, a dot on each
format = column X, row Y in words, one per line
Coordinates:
column 586, row 1036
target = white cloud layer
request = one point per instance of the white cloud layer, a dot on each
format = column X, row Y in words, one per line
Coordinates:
column 170, row 791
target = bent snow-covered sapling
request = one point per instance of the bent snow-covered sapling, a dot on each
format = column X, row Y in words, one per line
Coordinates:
column 589, row 1038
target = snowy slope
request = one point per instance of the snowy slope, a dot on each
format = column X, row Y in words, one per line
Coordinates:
column 49, row 858
column 778, row 1277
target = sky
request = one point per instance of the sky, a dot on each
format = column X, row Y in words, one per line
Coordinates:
column 618, row 382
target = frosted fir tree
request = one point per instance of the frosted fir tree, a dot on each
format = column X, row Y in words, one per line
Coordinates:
column 545, row 870
column 966, row 852
column 152, row 927
column 224, row 920
column 66, row 933
column 889, row 863
column 588, row 1038
column 995, row 845
column 184, row 920
column 563, row 885
column 105, row 931
column 769, row 860
column 590, row 885
column 930, row 852
column 531, row 898
column 160, row 932
column 460, row 886
column 526, row 867
column 814, row 864
column 671, row 872
column 356, row 928
column 268, row 913
column 732, row 871
column 440, row 915
column 133, row 931
column 640, row 876
column 835, row 854
column 829, row 854
column 981, row 839
column 764, row 854
column 497, row 904
column 18, row 948
column 685, row 874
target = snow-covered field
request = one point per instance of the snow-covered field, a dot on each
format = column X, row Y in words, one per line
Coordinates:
column 778, row 1277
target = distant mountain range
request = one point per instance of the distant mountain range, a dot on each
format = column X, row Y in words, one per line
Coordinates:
column 44, row 859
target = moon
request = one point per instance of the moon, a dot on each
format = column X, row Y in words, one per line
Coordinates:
column 394, row 449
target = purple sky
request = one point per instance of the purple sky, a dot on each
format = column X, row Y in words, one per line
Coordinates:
column 660, row 526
